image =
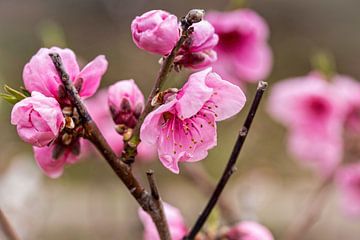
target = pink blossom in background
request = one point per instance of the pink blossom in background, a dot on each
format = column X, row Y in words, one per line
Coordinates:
column 126, row 102
column 175, row 220
column 243, row 51
column 38, row 119
column 40, row 74
column 156, row 31
column 348, row 91
column 184, row 128
column 309, row 107
column 53, row 167
column 198, row 51
column 249, row 230
column 348, row 181
column 102, row 117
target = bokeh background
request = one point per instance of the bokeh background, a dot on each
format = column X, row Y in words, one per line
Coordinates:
column 88, row 201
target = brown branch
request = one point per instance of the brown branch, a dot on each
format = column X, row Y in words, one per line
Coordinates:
column 155, row 194
column 312, row 212
column 6, row 227
column 230, row 167
column 198, row 175
column 122, row 170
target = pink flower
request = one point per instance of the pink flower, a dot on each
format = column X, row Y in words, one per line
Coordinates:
column 249, row 230
column 175, row 220
column 198, row 51
column 40, row 74
column 155, row 31
column 38, row 119
column 126, row 102
column 50, row 166
column 102, row 117
column 307, row 106
column 348, row 181
column 243, row 51
column 184, row 128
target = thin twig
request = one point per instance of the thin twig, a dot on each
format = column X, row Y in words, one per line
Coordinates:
column 123, row 171
column 6, row 227
column 230, row 167
column 155, row 194
column 199, row 176
column 312, row 212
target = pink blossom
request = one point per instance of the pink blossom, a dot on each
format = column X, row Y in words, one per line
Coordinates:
column 348, row 181
column 40, row 74
column 38, row 119
column 102, row 117
column 184, row 128
column 175, row 220
column 50, row 166
column 198, row 51
column 156, row 31
column 243, row 51
column 126, row 102
column 307, row 106
column 249, row 230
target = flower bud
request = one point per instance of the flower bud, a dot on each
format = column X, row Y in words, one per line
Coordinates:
column 195, row 16
column 155, row 31
column 38, row 119
column 126, row 103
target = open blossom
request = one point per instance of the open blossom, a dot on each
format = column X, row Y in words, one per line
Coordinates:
column 102, row 118
column 40, row 74
column 156, row 31
column 174, row 218
column 126, row 102
column 348, row 181
column 307, row 106
column 38, row 119
column 184, row 128
column 248, row 230
column 243, row 51
column 198, row 51
column 49, row 165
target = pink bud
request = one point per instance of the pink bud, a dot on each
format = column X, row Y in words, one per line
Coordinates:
column 249, row 231
column 50, row 166
column 38, row 119
column 126, row 102
column 40, row 74
column 175, row 220
column 198, row 51
column 156, row 31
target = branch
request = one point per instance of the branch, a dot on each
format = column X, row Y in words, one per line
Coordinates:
column 122, row 170
column 230, row 167
column 6, row 227
column 129, row 152
column 312, row 212
column 155, row 194
column 198, row 175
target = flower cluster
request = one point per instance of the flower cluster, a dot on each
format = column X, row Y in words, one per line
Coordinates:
column 47, row 119
column 322, row 116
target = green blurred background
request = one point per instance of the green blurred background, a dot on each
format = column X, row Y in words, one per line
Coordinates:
column 89, row 202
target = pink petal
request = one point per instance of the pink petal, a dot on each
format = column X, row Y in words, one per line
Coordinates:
column 193, row 94
column 150, row 129
column 91, row 75
column 51, row 167
column 227, row 99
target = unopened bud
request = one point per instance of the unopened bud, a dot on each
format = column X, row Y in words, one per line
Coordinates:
column 195, row 16
column 120, row 128
column 127, row 135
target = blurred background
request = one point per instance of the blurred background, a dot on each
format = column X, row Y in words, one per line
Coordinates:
column 88, row 201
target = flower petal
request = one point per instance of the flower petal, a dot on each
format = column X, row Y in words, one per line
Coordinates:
column 91, row 75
